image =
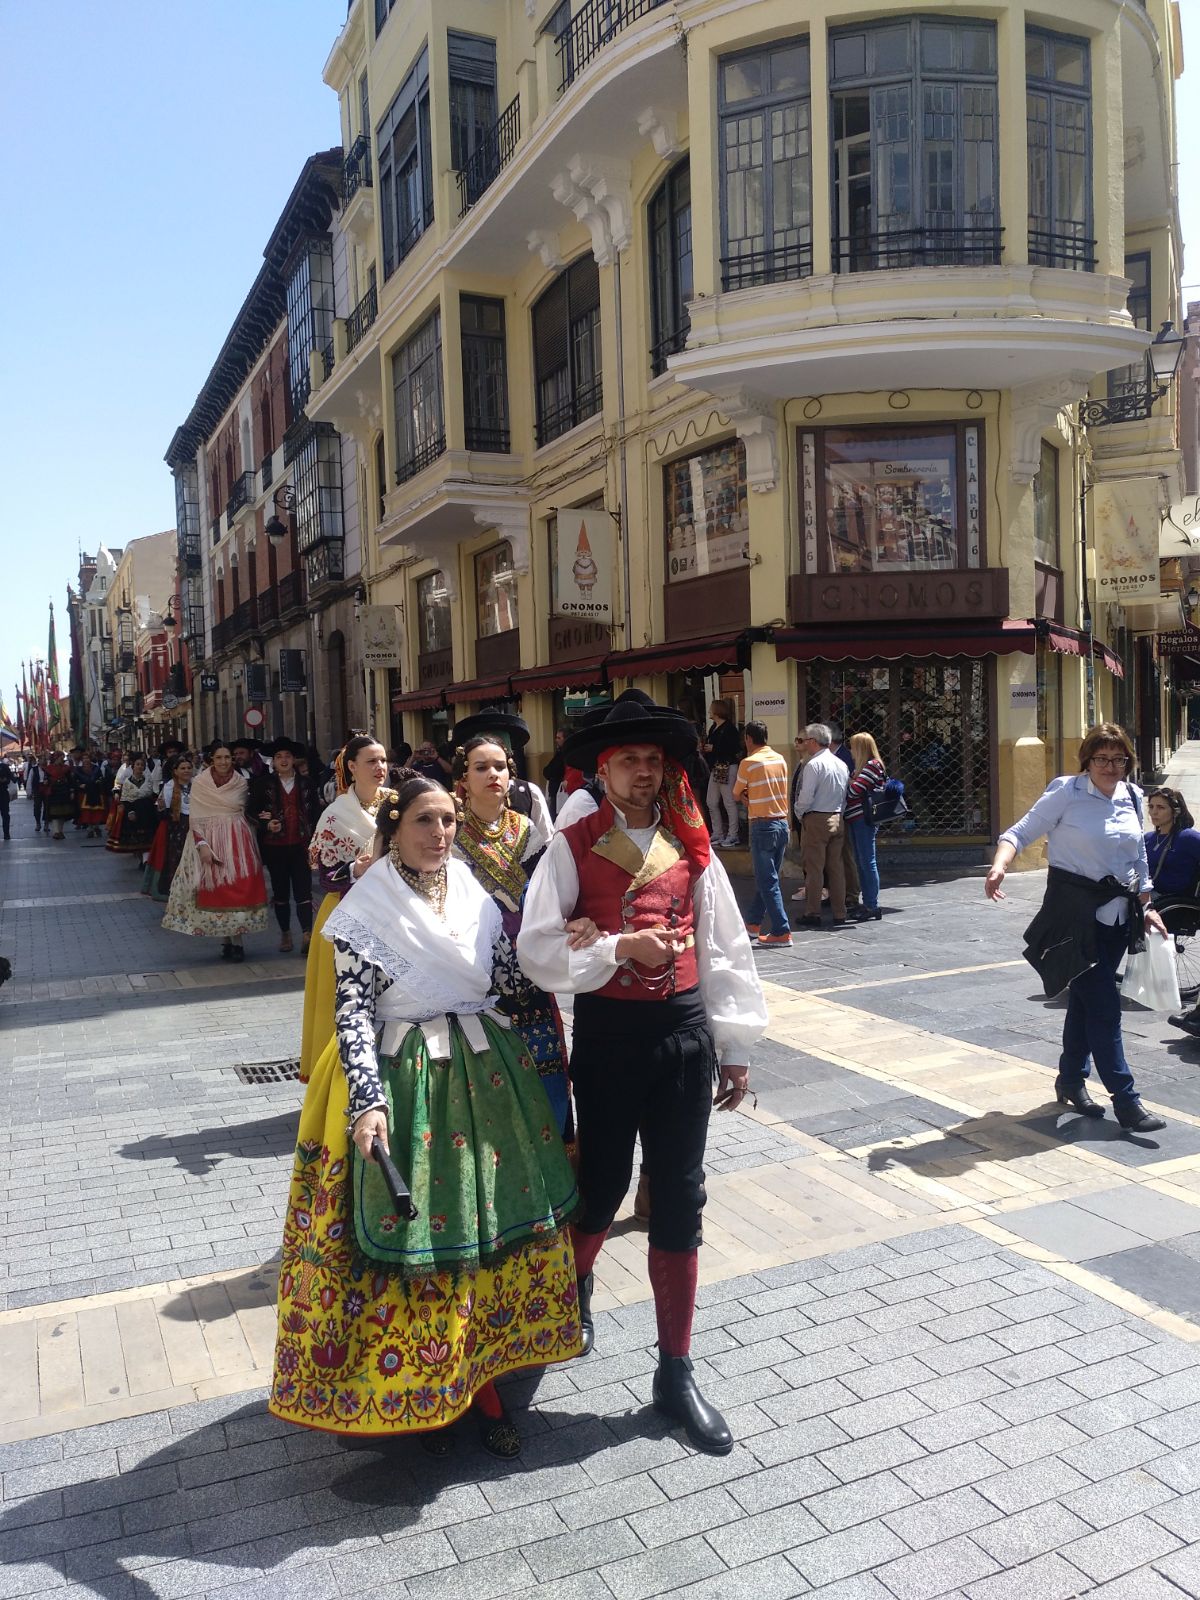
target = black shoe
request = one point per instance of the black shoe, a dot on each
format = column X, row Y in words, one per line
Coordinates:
column 811, row 922
column 676, row 1396
column 227, row 950
column 1077, row 1097
column 868, row 914
column 499, row 1436
column 587, row 1327
column 1189, row 1021
column 1134, row 1116
column 237, row 952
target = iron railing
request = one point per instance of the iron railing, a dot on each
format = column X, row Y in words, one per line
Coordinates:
column 492, row 154
column 420, row 459
column 268, row 606
column 216, row 530
column 266, row 472
column 593, row 26
column 481, row 437
column 417, row 231
column 356, row 169
column 1135, row 405
column 1050, row 249
column 327, row 360
column 776, row 265
column 917, row 247
column 193, row 622
column 558, row 419
column 188, row 550
column 222, row 634
column 291, row 593
column 361, row 318
column 240, row 494
column 669, row 345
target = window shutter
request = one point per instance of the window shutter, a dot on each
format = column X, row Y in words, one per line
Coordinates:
column 472, row 60
column 551, row 338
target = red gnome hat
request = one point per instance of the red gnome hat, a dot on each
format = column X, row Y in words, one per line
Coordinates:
column 582, row 547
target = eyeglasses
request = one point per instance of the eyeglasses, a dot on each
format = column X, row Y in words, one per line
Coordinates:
column 1110, row 761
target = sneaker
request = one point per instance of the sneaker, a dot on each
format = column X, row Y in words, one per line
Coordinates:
column 775, row 939
column 752, row 929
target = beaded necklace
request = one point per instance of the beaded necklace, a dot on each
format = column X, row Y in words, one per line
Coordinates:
column 431, row 886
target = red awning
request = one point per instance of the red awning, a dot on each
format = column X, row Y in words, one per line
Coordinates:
column 480, row 689
column 1111, row 660
column 586, row 673
column 888, row 644
column 418, row 700
column 724, row 650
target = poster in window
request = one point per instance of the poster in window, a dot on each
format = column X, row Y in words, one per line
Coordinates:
column 495, row 591
column 583, row 565
column 1125, row 528
column 891, row 504
column 433, row 613
column 708, row 527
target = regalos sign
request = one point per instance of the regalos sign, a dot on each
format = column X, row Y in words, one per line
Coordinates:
column 584, row 566
column 1125, row 531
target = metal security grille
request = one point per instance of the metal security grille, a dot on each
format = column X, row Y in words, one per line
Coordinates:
column 932, row 723
column 255, row 1072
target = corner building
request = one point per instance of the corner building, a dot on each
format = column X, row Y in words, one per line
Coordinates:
column 798, row 303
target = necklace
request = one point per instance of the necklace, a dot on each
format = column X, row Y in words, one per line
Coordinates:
column 431, row 886
column 490, row 830
column 371, row 806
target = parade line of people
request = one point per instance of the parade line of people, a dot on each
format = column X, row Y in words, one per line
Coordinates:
column 457, row 1166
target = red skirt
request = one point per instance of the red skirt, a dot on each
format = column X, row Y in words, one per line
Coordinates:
column 245, row 892
column 157, row 859
column 92, row 816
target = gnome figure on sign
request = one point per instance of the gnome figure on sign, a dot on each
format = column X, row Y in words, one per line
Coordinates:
column 584, row 569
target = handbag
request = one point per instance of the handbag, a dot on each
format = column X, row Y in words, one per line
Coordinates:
column 1151, row 976
column 886, row 805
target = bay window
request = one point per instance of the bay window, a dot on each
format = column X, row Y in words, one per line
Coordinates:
column 405, row 167
column 566, row 350
column 766, row 165
column 1058, row 114
column 418, row 396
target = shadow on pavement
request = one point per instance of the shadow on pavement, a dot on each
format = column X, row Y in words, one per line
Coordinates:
column 997, row 1136
column 255, row 1286
column 199, row 1153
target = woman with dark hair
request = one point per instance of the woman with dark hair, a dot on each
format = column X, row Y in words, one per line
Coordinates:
column 1172, row 846
column 724, row 748
column 387, row 1325
column 1096, row 909
column 501, row 846
column 167, row 851
column 136, row 814
column 218, row 891
column 340, row 851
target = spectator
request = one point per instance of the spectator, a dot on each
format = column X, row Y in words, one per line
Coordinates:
column 555, row 772
column 819, row 804
column 761, row 781
column 723, row 749
column 869, row 777
column 849, row 862
column 1172, row 846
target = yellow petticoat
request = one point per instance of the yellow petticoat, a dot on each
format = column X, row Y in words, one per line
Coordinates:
column 361, row 1351
column 320, row 982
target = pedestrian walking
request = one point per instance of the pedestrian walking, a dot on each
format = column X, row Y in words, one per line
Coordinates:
column 58, row 794
column 340, row 851
column 391, row 1326
column 723, row 748
column 762, row 783
column 820, row 800
column 218, row 891
column 511, row 733
column 1096, row 909
column 35, row 788
column 174, row 802
column 667, row 1004
column 869, row 778
column 8, row 782
column 132, row 832
column 284, row 806
column 91, row 801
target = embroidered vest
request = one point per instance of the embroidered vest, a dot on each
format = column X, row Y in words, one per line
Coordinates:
column 622, row 891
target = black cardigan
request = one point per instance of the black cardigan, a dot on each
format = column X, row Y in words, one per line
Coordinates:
column 1060, row 942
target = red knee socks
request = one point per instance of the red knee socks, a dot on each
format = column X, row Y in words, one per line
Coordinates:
column 587, row 1248
column 488, row 1401
column 673, row 1279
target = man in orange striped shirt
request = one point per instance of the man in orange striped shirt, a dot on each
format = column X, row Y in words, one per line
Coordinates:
column 762, row 782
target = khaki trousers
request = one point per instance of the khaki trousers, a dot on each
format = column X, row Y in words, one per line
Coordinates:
column 821, row 858
column 850, row 865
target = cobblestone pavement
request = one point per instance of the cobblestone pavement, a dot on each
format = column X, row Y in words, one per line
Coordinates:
column 956, row 1336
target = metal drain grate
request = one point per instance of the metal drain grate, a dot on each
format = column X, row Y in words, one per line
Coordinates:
column 268, row 1071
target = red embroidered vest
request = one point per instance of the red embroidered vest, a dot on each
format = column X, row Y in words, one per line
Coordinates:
column 622, row 891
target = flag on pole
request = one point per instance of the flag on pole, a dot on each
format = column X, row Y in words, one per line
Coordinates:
column 7, row 726
column 54, row 708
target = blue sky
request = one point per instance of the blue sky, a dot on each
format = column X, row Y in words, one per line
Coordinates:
column 150, row 147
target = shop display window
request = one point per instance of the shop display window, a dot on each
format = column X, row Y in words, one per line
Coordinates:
column 433, row 613
column 707, row 522
column 495, row 591
column 891, row 500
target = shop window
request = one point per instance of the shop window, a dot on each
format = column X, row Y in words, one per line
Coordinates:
column 670, row 220
column 433, row 613
column 1131, row 380
column 892, row 499
column 932, row 722
column 916, row 155
column 495, row 592
column 566, row 350
column 1045, row 507
column 405, row 166
column 707, row 521
column 484, row 373
column 309, row 316
column 472, row 94
column 417, row 391
column 766, row 165
column 1058, row 115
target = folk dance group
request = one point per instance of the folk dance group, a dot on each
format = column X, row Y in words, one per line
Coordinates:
column 449, row 923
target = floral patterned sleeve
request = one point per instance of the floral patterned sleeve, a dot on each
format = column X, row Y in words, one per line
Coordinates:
column 358, row 985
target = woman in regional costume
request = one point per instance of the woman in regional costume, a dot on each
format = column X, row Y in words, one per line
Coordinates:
column 387, row 1326
column 133, row 832
column 498, row 844
column 341, row 849
column 167, row 850
column 91, row 804
column 219, row 891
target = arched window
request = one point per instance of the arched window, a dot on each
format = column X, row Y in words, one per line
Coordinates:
column 670, row 227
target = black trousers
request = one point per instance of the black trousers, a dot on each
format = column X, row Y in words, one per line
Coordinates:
column 659, row 1087
column 291, row 879
column 39, row 809
column 4, row 808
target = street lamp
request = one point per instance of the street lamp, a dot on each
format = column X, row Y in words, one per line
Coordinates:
column 1162, row 363
column 276, row 528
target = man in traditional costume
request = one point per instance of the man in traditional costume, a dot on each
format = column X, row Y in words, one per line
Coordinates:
column 667, row 1005
column 284, row 805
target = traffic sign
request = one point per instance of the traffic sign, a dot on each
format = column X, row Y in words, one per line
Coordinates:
column 254, row 718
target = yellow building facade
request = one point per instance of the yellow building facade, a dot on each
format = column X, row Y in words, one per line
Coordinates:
column 788, row 310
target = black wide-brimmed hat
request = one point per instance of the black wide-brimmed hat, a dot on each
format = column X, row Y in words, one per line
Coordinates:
column 626, row 697
column 279, row 746
column 514, row 730
column 629, row 721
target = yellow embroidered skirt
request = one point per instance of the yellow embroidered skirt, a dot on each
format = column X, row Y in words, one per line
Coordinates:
column 319, row 986
column 362, row 1350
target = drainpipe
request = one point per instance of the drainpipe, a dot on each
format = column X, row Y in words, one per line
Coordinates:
column 1087, row 606
column 623, row 452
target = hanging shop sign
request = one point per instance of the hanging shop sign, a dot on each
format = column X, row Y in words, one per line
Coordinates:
column 1182, row 642
column 208, row 682
column 380, row 627
column 293, row 677
column 1125, row 531
column 584, row 551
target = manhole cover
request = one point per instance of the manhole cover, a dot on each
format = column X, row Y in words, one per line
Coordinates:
column 268, row 1071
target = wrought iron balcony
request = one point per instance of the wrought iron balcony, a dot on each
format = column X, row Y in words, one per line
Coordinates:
column 240, row 494
column 222, row 634
column 492, row 154
column 591, row 28
column 268, row 606
column 480, row 436
column 216, row 530
column 670, row 344
column 188, row 550
column 326, row 564
column 356, row 169
column 556, row 420
column 266, row 472
column 1047, row 249
column 917, row 247
column 361, row 318
column 420, row 459
column 766, row 266
column 291, row 593
column 244, row 619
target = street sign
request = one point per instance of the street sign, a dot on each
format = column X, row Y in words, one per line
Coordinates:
column 254, row 718
column 208, row 682
column 170, row 701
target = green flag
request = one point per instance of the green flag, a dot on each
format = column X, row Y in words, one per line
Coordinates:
column 54, row 709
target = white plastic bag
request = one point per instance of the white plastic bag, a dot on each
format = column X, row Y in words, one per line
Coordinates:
column 1151, row 977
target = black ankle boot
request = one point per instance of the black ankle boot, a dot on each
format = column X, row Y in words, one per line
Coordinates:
column 676, row 1396
column 1134, row 1116
column 1077, row 1097
column 227, row 950
column 587, row 1327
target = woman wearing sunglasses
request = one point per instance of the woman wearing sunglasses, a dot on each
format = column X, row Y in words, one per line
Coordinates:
column 1096, row 908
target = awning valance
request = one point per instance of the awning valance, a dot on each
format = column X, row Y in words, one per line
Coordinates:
column 688, row 655
column 418, row 700
column 1009, row 637
column 480, row 689
column 586, row 673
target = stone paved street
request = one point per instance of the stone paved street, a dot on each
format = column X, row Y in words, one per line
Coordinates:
column 957, row 1337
